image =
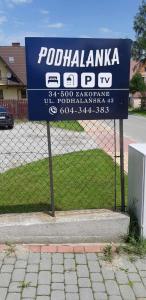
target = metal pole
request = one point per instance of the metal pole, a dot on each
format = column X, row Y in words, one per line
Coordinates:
column 50, row 169
column 115, row 163
column 122, row 166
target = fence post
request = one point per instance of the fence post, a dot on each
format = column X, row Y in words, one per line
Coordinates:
column 122, row 166
column 115, row 164
column 50, row 169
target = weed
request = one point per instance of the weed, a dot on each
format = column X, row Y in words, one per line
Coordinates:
column 134, row 244
column 123, row 269
column 135, row 247
column 10, row 249
column 108, row 253
column 24, row 285
column 130, row 283
column 117, row 249
column 132, row 259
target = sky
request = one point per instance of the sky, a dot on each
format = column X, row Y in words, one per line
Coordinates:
column 66, row 18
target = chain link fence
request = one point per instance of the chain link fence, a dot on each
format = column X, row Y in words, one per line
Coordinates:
column 84, row 166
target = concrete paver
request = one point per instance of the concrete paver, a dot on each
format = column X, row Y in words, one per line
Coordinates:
column 71, row 288
column 70, row 296
column 122, row 277
column 3, row 293
column 69, row 264
column 92, row 278
column 101, row 296
column 127, row 292
column 43, row 290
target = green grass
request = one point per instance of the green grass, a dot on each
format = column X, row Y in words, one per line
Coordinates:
column 82, row 180
column 68, row 125
column 137, row 111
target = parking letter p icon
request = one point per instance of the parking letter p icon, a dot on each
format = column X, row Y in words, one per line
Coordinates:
column 87, row 80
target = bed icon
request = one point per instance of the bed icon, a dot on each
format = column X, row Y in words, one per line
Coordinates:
column 52, row 80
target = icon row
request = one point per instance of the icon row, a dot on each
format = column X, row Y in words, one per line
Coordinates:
column 70, row 80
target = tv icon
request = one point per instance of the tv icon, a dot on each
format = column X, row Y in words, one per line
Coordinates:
column 104, row 80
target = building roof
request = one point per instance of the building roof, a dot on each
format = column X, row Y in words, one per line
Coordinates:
column 139, row 95
column 14, row 58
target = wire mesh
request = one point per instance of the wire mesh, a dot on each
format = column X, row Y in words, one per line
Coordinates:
column 83, row 157
column 84, row 176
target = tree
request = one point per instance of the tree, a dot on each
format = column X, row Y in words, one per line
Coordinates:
column 139, row 45
column 137, row 84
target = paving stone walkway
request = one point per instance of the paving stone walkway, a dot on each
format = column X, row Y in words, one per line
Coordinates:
column 103, row 135
column 42, row 273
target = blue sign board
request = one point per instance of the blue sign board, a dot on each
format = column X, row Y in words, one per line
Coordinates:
column 77, row 78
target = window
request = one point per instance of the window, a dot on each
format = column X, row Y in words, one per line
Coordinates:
column 23, row 93
column 11, row 59
column 1, row 94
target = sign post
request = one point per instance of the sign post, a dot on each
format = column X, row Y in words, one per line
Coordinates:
column 50, row 169
column 122, row 166
column 78, row 79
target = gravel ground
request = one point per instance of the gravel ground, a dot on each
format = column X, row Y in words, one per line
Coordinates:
column 27, row 142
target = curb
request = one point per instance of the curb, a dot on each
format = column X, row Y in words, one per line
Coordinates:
column 60, row 248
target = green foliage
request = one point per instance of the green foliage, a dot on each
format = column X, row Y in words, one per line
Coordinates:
column 139, row 45
column 124, row 270
column 134, row 244
column 10, row 249
column 137, row 84
column 130, row 283
column 23, row 285
column 108, row 253
column 134, row 247
column 138, row 111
